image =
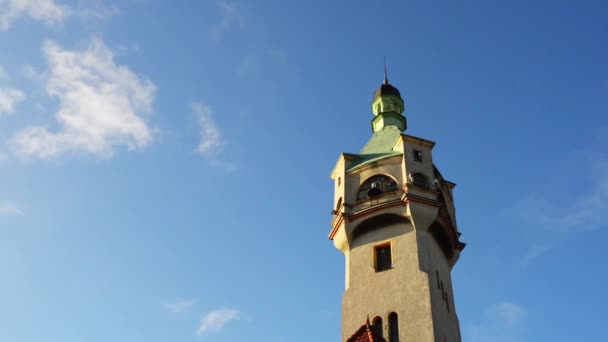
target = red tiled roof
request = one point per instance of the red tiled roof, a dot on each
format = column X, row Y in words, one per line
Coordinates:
column 366, row 334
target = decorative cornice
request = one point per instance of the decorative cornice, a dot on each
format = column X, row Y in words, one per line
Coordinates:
column 407, row 197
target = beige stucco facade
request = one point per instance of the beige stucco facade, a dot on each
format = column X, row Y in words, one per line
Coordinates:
column 417, row 220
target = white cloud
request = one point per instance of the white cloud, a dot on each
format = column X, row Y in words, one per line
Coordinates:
column 101, row 105
column 216, row 320
column 212, row 143
column 10, row 209
column 501, row 322
column 231, row 17
column 47, row 11
column 95, row 9
column 9, row 98
column 179, row 306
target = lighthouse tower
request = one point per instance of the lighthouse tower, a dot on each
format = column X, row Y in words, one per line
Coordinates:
column 394, row 221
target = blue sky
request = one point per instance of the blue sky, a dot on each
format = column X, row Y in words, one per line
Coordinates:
column 166, row 164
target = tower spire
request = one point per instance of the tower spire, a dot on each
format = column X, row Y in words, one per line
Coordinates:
column 385, row 76
column 387, row 106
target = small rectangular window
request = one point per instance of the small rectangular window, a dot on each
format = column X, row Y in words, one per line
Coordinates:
column 383, row 257
column 438, row 281
column 417, row 155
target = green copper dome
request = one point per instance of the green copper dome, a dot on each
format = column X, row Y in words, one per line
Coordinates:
column 388, row 107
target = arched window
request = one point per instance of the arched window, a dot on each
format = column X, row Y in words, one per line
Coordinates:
column 377, row 324
column 376, row 186
column 393, row 327
column 419, row 179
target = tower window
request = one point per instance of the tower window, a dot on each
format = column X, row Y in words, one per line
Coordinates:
column 377, row 324
column 418, row 179
column 438, row 280
column 418, row 156
column 393, row 327
column 383, row 257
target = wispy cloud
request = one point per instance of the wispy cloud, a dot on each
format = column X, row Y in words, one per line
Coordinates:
column 231, row 17
column 101, row 105
column 95, row 9
column 215, row 321
column 10, row 209
column 538, row 249
column 51, row 12
column 567, row 213
column 9, row 98
column 583, row 212
column 179, row 306
column 501, row 322
column 212, row 142
column 47, row 11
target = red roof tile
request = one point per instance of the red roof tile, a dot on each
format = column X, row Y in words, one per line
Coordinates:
column 366, row 334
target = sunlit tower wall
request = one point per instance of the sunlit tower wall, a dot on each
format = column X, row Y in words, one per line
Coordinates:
column 395, row 222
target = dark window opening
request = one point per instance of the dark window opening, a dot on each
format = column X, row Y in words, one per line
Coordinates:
column 438, row 281
column 377, row 324
column 419, row 179
column 417, row 155
column 393, row 327
column 383, row 258
column 376, row 186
